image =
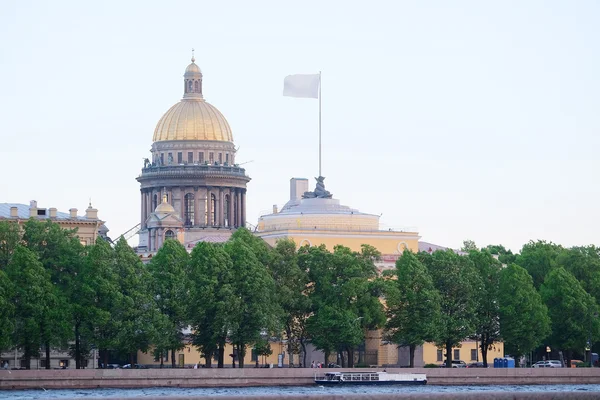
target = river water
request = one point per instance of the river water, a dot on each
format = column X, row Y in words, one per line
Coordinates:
column 282, row 391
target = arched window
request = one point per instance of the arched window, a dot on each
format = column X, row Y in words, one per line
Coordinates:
column 226, row 210
column 185, row 86
column 196, row 86
column 154, row 200
column 189, row 209
column 169, row 234
column 189, row 86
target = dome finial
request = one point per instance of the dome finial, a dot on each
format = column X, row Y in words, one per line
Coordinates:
column 193, row 58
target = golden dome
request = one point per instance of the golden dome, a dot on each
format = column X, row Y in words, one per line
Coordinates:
column 164, row 207
column 193, row 119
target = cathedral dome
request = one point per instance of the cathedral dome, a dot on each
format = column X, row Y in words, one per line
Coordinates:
column 193, row 118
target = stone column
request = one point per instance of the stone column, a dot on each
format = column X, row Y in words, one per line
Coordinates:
column 231, row 217
column 209, row 207
column 243, row 208
column 196, row 207
column 182, row 204
column 221, row 221
column 143, row 209
column 238, row 217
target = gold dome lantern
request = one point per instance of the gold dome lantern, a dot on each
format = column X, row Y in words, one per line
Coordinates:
column 193, row 118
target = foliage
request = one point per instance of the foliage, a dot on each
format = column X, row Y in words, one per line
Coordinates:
column 7, row 310
column 290, row 286
column 524, row 321
column 505, row 256
column 33, row 298
column 539, row 258
column 487, row 324
column 573, row 312
column 170, row 288
column 469, row 245
column 584, row 264
column 456, row 280
column 212, row 300
column 255, row 310
column 413, row 305
column 10, row 237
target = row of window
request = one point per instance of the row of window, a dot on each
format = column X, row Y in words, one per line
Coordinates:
column 191, row 160
column 456, row 355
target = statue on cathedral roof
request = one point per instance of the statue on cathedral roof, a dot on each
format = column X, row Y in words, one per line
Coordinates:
column 319, row 192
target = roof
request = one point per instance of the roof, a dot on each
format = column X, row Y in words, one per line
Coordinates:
column 23, row 213
column 430, row 248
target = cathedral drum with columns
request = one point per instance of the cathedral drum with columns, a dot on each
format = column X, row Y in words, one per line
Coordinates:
column 191, row 189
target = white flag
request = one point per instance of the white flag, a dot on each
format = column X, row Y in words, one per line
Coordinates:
column 302, row 85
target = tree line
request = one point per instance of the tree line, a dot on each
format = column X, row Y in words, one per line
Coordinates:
column 57, row 293
column 545, row 296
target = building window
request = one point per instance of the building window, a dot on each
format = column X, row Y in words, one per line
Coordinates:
column 227, row 158
column 201, row 158
column 23, row 363
column 254, row 356
column 440, row 355
column 196, row 86
column 179, row 157
column 189, row 209
column 220, row 158
column 189, row 86
column 170, row 158
column 63, row 363
column 190, row 157
column 154, row 202
column 474, row 354
column 456, row 354
column 162, row 158
column 169, row 234
column 211, row 158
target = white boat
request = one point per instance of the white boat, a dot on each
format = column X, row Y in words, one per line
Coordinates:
column 370, row 378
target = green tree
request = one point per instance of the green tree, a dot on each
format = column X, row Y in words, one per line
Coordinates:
column 170, row 286
column 60, row 252
column 345, row 291
column 10, row 236
column 7, row 309
column 94, row 295
column 572, row 312
column 584, row 264
column 539, row 258
column 524, row 321
column 456, row 280
column 262, row 349
column 33, row 298
column 253, row 287
column 505, row 256
column 469, row 245
column 138, row 314
column 413, row 305
column 212, row 301
column 290, row 286
column 487, row 325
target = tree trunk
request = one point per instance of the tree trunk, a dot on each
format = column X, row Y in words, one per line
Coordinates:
column 341, row 355
column 448, row 355
column 131, row 359
column 484, row 350
column 327, row 354
column 350, row 352
column 233, row 356
column 241, row 354
column 411, row 351
column 221, row 357
column 47, row 355
column 77, row 348
column 304, row 353
column 208, row 360
column 105, row 358
column 162, row 359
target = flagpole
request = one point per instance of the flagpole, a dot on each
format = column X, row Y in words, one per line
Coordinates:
column 319, row 123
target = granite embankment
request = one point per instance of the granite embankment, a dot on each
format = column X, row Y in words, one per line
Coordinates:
column 117, row 378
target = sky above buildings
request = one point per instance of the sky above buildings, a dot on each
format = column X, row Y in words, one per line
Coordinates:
column 466, row 119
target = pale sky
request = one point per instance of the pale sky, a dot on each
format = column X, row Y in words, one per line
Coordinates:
column 466, row 119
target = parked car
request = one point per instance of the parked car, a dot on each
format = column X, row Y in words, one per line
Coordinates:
column 135, row 366
column 456, row 364
column 476, row 365
column 548, row 364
